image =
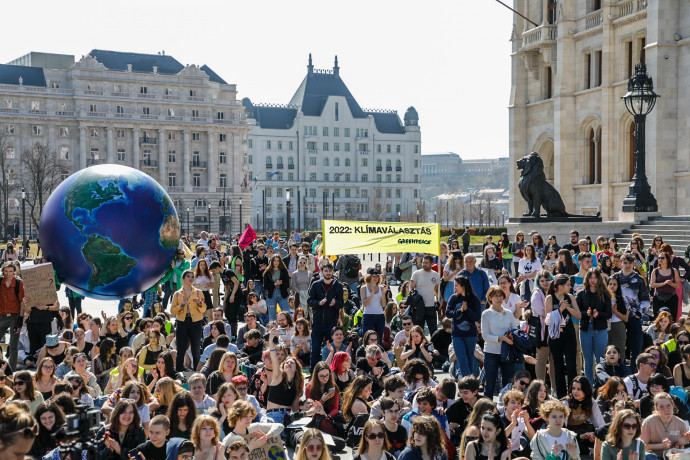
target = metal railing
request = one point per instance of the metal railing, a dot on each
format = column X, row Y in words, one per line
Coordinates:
column 148, row 163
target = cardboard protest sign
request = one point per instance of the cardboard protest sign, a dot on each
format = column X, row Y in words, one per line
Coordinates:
column 39, row 284
column 272, row 450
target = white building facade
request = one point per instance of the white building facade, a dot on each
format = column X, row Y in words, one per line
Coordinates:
column 568, row 75
column 336, row 159
column 180, row 124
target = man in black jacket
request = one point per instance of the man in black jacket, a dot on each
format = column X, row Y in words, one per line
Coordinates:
column 325, row 300
column 256, row 269
column 290, row 260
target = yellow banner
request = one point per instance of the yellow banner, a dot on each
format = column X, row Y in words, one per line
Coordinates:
column 351, row 237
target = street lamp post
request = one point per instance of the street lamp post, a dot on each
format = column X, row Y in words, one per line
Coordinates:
column 417, row 215
column 241, row 229
column 287, row 209
column 503, row 213
column 187, row 220
column 23, row 213
column 209, row 217
column 640, row 100
column 225, row 203
column 398, row 216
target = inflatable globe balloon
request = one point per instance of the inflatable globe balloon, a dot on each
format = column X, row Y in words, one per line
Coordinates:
column 110, row 231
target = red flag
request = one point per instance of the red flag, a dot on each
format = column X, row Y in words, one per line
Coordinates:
column 247, row 237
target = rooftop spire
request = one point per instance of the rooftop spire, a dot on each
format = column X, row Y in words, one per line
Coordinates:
column 310, row 67
column 336, row 69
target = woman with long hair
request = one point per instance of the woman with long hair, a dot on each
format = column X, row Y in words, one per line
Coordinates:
column 504, row 246
column 277, row 286
column 535, row 396
column 106, row 361
column 188, row 306
column 636, row 248
column 472, row 426
column 80, row 390
column 661, row 328
column 206, row 439
column 225, row 398
column 619, row 316
column 356, row 397
column 300, row 342
column 215, row 330
column 80, row 342
column 561, row 308
column 404, row 291
column 565, row 264
column 286, row 384
column 492, row 444
column 612, row 391
column 203, row 280
column 453, row 267
column 594, row 301
column 665, row 280
column 312, row 447
column 50, row 419
column 660, row 359
column 528, row 267
column 677, row 263
column 181, row 414
column 299, row 284
column 550, row 259
column 18, row 430
column 165, row 367
column 227, row 369
column 154, row 346
column 682, row 370
column 539, row 246
column 65, row 320
column 166, row 389
column 123, row 434
column 44, row 378
column 127, row 321
column 373, row 295
column 322, row 388
column 585, row 415
column 623, row 439
column 426, row 441
column 464, row 309
column 538, row 311
column 25, row 390
column 518, row 250
column 491, row 260
column 512, row 302
column 342, row 370
column 374, row 443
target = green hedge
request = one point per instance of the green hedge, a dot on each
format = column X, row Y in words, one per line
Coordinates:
column 445, row 232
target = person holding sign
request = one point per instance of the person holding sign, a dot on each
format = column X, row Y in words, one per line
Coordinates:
column 11, row 298
column 262, row 438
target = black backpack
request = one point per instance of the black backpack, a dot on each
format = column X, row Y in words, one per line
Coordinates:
column 397, row 273
column 415, row 303
column 352, row 266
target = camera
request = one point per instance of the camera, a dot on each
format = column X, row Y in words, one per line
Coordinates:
column 353, row 338
column 79, row 433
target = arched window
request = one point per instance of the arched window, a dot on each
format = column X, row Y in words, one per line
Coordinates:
column 594, row 156
column 347, row 162
column 398, row 165
column 336, row 162
column 631, row 151
column 280, row 162
column 389, row 166
column 269, row 162
column 325, row 161
column 291, row 163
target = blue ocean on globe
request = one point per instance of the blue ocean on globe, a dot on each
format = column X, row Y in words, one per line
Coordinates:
column 110, row 231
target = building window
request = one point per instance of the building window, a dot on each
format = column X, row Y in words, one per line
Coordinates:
column 551, row 11
column 362, row 132
column 416, row 149
column 196, row 180
column 172, row 179
column 312, row 161
column 63, row 131
column 397, row 193
column 415, row 193
column 347, row 193
column 310, row 131
column 268, row 145
column 220, row 115
column 365, row 162
column 325, row 177
column 269, row 192
column 9, row 129
column 594, row 156
column 325, row 146
column 172, row 157
column 416, row 178
column 223, row 180
column 291, row 176
column 120, row 133
column 222, row 137
column 143, row 90
column 250, row 143
column 388, row 148
column 290, row 145
column 397, row 178
column 279, row 163
column 93, row 108
column 222, row 158
column 336, row 114
column 196, row 158
column 325, row 161
column 588, row 70
column 347, row 132
column 596, row 5
column 64, row 152
column 38, row 130
column 378, row 148
column 347, row 162
column 10, row 153
column 336, row 147
column 397, row 149
column 598, row 64
column 171, row 135
column 365, row 193
column 196, row 136
column 347, row 177
column 347, row 146
column 631, row 152
column 94, row 153
column 548, row 83
column 312, row 177
column 269, row 162
column 388, row 178
column 121, row 155
column 250, row 160
column 325, row 131
column 378, row 178
column 280, row 145
column 336, row 162
column 365, row 178
column 336, row 131
column 363, row 147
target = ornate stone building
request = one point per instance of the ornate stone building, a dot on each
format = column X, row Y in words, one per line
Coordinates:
column 337, row 159
column 180, row 124
column 569, row 72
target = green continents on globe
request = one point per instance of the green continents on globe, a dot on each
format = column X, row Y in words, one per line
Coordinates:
column 170, row 231
column 88, row 194
column 107, row 261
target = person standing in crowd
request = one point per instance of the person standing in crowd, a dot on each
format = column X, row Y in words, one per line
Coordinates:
column 373, row 298
column 504, row 246
column 300, row 280
column 257, row 266
column 325, row 300
column 538, row 310
column 409, row 263
column 528, row 267
column 497, row 323
column 478, row 278
column 425, row 281
column 11, row 309
column 636, row 295
column 348, row 267
column 594, row 301
column 466, row 238
column 173, row 278
column 276, row 286
column 290, row 260
column 464, row 309
column 518, row 250
column 188, row 306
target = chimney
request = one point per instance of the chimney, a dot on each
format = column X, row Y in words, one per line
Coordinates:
column 310, row 67
column 336, row 69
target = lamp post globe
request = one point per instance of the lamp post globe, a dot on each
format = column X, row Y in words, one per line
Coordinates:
column 640, row 101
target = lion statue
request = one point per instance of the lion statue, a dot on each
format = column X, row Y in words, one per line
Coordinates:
column 536, row 190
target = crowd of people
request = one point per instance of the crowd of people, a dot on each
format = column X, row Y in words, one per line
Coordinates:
column 552, row 351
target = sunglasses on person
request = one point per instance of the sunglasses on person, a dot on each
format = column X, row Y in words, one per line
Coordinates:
column 523, row 383
column 315, row 447
column 372, row 436
column 630, row 426
column 407, row 324
column 2, row 378
column 18, row 383
column 655, row 355
column 241, row 389
column 129, row 318
column 75, row 387
column 652, row 365
column 683, row 342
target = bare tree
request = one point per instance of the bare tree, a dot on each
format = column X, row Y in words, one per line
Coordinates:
column 7, row 178
column 379, row 207
column 44, row 171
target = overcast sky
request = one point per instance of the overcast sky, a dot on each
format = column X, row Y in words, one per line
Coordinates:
column 449, row 59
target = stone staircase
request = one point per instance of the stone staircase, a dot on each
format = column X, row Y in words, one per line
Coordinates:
column 675, row 230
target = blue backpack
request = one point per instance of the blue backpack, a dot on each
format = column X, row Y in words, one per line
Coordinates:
column 681, row 394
